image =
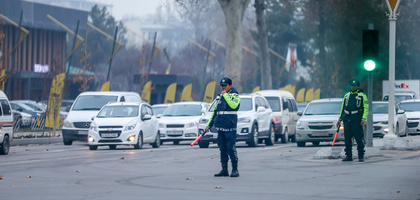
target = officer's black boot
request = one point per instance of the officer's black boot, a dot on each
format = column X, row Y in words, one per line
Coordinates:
column 235, row 172
column 348, row 158
column 361, row 158
column 224, row 171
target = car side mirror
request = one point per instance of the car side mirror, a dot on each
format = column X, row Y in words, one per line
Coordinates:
column 260, row 109
column 93, row 117
column 146, row 117
column 400, row 112
column 299, row 113
column 159, row 115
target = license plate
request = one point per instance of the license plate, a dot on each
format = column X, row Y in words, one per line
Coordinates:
column 82, row 132
column 412, row 130
column 320, row 133
column 214, row 135
column 174, row 132
column 109, row 135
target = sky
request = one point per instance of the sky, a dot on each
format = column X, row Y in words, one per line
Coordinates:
column 129, row 8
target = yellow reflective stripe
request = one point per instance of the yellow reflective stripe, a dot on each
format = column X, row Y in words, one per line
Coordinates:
column 365, row 107
column 231, row 101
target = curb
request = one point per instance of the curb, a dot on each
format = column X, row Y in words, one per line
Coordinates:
column 28, row 141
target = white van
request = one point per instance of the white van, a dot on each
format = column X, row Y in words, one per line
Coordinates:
column 285, row 115
column 6, row 124
column 87, row 104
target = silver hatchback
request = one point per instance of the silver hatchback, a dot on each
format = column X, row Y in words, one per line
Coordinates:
column 317, row 122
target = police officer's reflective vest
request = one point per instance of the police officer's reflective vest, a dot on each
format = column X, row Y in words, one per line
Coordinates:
column 354, row 106
column 224, row 117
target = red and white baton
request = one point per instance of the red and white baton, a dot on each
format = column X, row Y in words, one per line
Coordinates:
column 335, row 137
column 196, row 140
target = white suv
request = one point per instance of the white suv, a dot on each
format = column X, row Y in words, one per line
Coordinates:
column 255, row 122
column 124, row 124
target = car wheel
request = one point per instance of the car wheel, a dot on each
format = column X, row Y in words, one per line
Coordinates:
column 406, row 129
column 157, row 142
column 270, row 140
column 397, row 129
column 276, row 139
column 285, row 136
column 112, row 146
column 176, row 142
column 68, row 142
column 253, row 141
column 203, row 144
column 301, row 144
column 4, row 150
column 139, row 144
column 315, row 143
column 293, row 138
column 93, row 147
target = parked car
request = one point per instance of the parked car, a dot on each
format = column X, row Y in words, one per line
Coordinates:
column 6, row 129
column 285, row 115
column 255, row 122
column 33, row 104
column 158, row 109
column 87, row 105
column 412, row 111
column 180, row 120
column 318, row 122
column 301, row 106
column 21, row 107
column 380, row 119
column 124, row 124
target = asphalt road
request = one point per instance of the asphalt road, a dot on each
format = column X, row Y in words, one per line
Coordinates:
column 283, row 171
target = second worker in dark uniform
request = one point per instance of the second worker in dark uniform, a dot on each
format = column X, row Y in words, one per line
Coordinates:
column 354, row 111
column 224, row 119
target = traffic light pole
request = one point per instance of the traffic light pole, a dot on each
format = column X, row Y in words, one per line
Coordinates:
column 369, row 128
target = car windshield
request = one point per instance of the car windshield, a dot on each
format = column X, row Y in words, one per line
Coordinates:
column 323, row 108
column 410, row 106
column 380, row 108
column 23, row 106
column 274, row 103
column 159, row 109
column 35, row 106
column 118, row 111
column 399, row 98
column 301, row 107
column 93, row 102
column 183, row 110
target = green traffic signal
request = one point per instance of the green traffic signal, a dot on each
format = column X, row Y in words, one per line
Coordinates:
column 369, row 65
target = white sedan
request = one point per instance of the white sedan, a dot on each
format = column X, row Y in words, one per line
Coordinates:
column 180, row 121
column 412, row 110
column 124, row 124
column 380, row 119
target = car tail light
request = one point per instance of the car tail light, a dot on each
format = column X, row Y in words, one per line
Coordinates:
column 277, row 120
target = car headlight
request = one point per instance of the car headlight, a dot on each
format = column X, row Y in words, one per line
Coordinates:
column 68, row 124
column 384, row 122
column 204, row 121
column 189, row 125
column 130, row 126
column 93, row 127
column 162, row 125
column 244, row 120
column 300, row 125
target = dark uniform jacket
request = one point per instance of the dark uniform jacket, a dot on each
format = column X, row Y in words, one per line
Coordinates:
column 354, row 106
column 224, row 117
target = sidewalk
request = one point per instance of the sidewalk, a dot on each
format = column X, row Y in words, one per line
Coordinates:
column 410, row 143
column 26, row 138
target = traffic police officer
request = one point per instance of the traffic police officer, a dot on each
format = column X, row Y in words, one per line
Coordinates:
column 354, row 111
column 224, row 120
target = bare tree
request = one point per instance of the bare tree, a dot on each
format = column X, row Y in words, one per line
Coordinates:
column 264, row 56
column 234, row 13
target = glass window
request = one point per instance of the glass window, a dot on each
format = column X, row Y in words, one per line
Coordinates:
column 285, row 104
column 93, row 102
column 118, row 111
column 410, row 106
column 274, row 103
column 380, row 108
column 183, row 110
column 323, row 108
column 131, row 98
column 6, row 108
column 292, row 107
column 149, row 110
column 295, row 108
column 159, row 109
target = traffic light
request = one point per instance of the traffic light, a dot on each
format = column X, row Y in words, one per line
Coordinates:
column 370, row 49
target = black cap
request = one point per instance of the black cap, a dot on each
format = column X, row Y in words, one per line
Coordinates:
column 226, row 81
column 354, row 82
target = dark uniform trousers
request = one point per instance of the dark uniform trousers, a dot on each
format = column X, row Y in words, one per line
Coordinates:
column 353, row 128
column 226, row 142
